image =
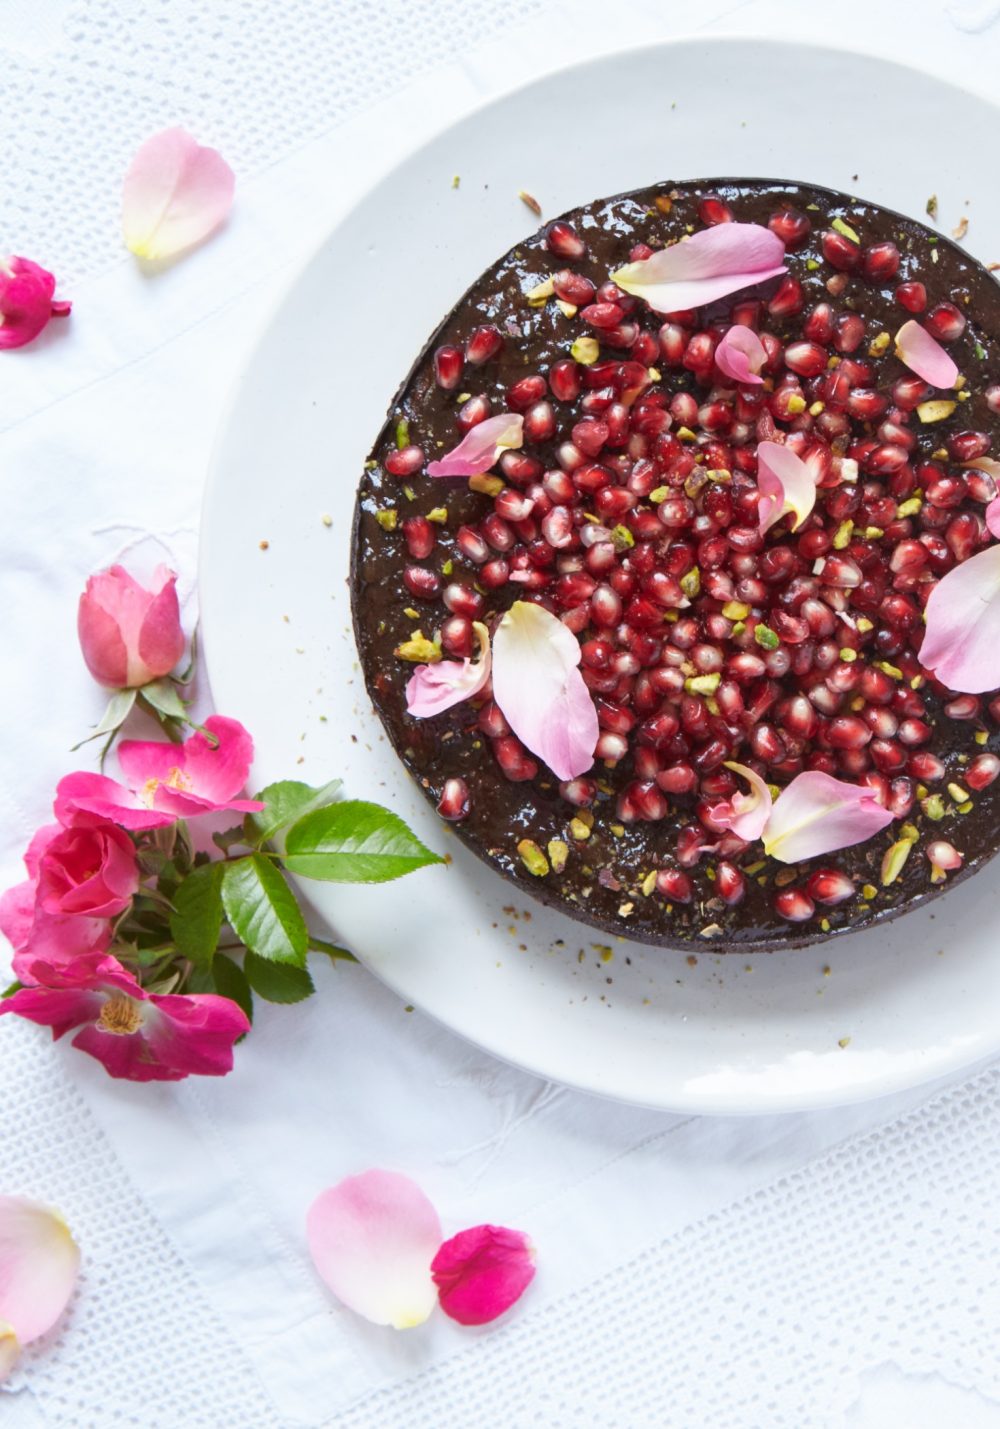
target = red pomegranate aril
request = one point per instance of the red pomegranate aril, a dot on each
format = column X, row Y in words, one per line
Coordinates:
column 730, row 884
column 495, row 573
column 849, row 332
column 462, row 599
column 909, row 392
column 573, row 287
column 540, row 422
column 982, row 771
column 602, row 315
column 497, row 532
column 866, row 405
column 881, row 721
column 713, row 210
column 699, row 354
column 847, row 732
column 672, row 343
column 471, row 545
column 420, row 537
column 611, row 747
column 674, row 885
column 520, row 468
column 963, row 707
column 830, row 886
column 980, row 485
column 513, row 506
column 791, row 226
column 992, row 395
column 526, row 392
column 807, row 359
column 880, row 262
column 590, row 435
column 888, row 756
column 926, row 767
column 565, row 381
column 787, row 301
column 711, row 755
column 885, row 459
column 839, row 251
column 911, row 296
column 913, row 732
column 605, row 607
column 818, row 324
column 963, row 535
column 515, row 761
column 422, row 583
column 491, row 720
column 967, row 446
column 645, row 349
column 406, row 462
column 677, row 779
column 840, row 572
column 947, row 490
column 945, row 322
column 562, row 238
column 457, row 637
column 448, row 364
column 944, row 855
column 454, row 803
column 472, row 412
column 766, row 744
column 794, row 904
column 581, row 792
column 482, row 344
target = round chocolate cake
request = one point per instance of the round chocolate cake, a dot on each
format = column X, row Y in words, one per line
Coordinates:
column 714, row 644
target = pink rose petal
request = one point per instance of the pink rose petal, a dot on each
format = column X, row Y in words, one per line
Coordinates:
column 372, row 1238
column 434, row 688
column 26, row 302
column 9, row 1350
column 175, row 194
column 39, row 1263
column 819, row 814
column 481, row 1272
column 745, row 814
column 741, row 354
column 541, row 692
column 993, row 515
column 709, row 265
column 924, row 355
column 785, row 484
column 481, row 449
column 961, row 644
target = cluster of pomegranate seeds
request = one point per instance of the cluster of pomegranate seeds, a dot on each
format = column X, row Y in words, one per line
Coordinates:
column 631, row 513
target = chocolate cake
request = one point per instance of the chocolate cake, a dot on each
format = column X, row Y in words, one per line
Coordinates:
column 704, row 640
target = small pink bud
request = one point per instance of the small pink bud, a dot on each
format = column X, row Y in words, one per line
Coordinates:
column 26, row 301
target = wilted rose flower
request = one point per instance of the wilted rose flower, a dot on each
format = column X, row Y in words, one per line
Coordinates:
column 130, row 635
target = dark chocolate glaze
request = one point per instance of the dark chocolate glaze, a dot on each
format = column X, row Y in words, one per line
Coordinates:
column 434, row 750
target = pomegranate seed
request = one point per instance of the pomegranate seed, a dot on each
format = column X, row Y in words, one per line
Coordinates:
column 563, row 239
column 830, row 886
column 792, row 227
column 448, row 363
column 526, row 393
column 642, row 800
column 887, row 755
column 880, row 262
column 912, row 297
column 482, row 344
column 472, row 412
column 909, row 392
column 420, row 537
column 982, row 771
column 849, row 332
column 944, row 855
column 713, row 210
column 471, row 545
column 787, row 300
column 839, row 251
column 866, row 405
column 457, row 637
column 564, row 380
column 926, row 767
column 540, row 422
column 454, row 803
column 496, row 573
column 914, row 731
column 672, row 341
column 847, row 732
column 515, row 761
column 818, row 325
column 901, row 798
column 674, row 885
column 730, row 884
column 677, row 779
column 422, row 583
column 963, row 707
column 581, row 793
column 519, row 468
column 611, row 747
column 602, row 315
column 573, row 287
column 967, row 446
column 794, row 904
column 406, row 462
column 462, row 599
column 992, row 395
column 512, row 506
column 808, row 359
column 945, row 322
column 491, row 720
column 605, row 607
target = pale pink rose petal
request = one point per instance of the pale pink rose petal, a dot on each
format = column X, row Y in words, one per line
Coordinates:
column 818, row 814
column 993, row 516
column 481, row 449
column 175, row 194
column 372, row 1238
column 481, row 1272
column 39, row 1264
column 745, row 814
column 785, row 484
column 924, row 355
column 709, row 265
column 9, row 1350
column 432, row 689
column 541, row 692
column 961, row 644
column 741, row 354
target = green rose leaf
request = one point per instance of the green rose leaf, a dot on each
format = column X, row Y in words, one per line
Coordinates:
column 163, row 696
column 262, row 910
column 197, row 916
column 354, row 842
column 230, row 981
column 287, row 801
column 277, row 982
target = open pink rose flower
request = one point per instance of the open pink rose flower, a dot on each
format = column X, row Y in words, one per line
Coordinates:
column 709, row 265
column 26, row 301
column 540, row 690
column 136, row 1035
column 740, row 355
column 432, row 689
column 176, row 193
column 481, row 1272
column 39, row 1267
column 129, row 634
column 961, row 645
column 35, row 933
column 786, row 485
column 482, row 447
column 164, row 781
column 90, row 870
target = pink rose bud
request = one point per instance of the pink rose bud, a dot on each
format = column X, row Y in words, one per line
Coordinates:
column 26, row 301
column 90, row 871
column 130, row 635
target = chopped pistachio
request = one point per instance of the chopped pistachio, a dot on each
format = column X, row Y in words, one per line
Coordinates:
column 712, row 930
column 892, row 671
column 622, row 538
column 485, row 484
column 533, row 859
column 370, row 465
column 878, row 344
column 812, row 264
column 402, row 434
column 409, row 493
column 739, row 627
column 796, row 404
column 685, row 434
column 765, row 637
column 753, row 868
column 703, row 684
column 842, row 535
column 617, row 829
column 447, row 567
column 824, row 923
column 933, row 807
column 539, row 295
column 848, row 655
column 648, row 883
column 585, row 350
column 980, row 736
column 660, row 493
column 931, row 207
column 691, row 582
column 654, row 374
column 873, row 533
column 579, row 830
column 845, row 229
column 558, row 854
column 456, row 181
column 965, row 808
column 843, row 1041
column 893, row 860
column 387, row 519
column 625, row 910
column 956, row 792
column 567, row 309
column 817, row 408
column 419, row 650
column 864, row 624
column 910, row 507
column 735, row 610
column 869, row 891
column 936, row 410
column 439, row 515
column 718, row 473
column 910, row 832
column 413, row 614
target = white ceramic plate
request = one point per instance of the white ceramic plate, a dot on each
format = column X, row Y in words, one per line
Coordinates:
column 898, row 1006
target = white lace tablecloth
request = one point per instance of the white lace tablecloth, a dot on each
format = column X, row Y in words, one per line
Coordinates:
column 826, row 1270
